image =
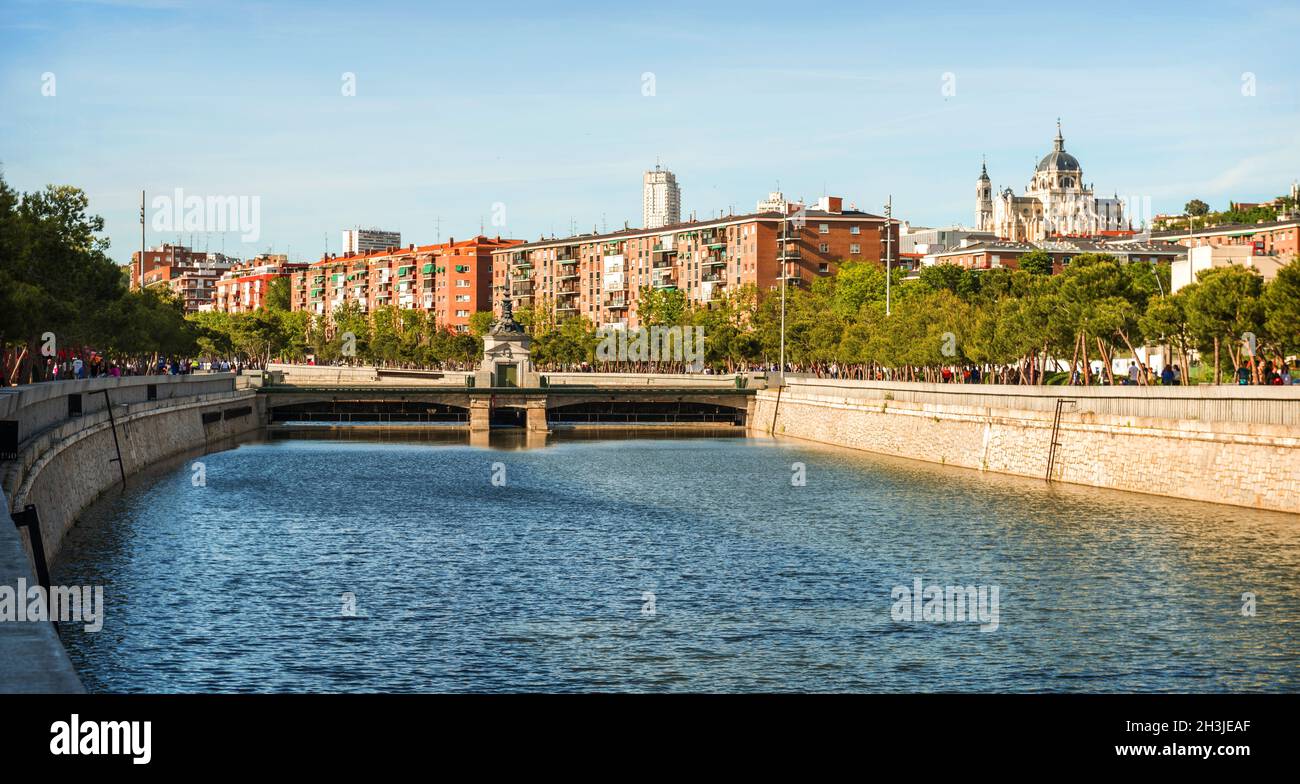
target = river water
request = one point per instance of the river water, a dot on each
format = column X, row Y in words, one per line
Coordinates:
column 639, row 563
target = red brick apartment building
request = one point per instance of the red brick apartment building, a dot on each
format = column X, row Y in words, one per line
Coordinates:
column 601, row 276
column 194, row 285
column 168, row 255
column 243, row 288
column 1269, row 238
column 452, row 280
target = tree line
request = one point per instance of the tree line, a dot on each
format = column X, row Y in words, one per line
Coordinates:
column 1010, row 323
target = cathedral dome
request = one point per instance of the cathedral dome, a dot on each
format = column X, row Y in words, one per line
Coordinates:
column 1058, row 160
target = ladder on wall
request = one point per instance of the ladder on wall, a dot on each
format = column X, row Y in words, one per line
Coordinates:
column 1061, row 403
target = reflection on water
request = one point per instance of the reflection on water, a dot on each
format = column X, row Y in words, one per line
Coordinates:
column 540, row 580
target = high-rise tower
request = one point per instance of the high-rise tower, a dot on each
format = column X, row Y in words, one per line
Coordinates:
column 662, row 202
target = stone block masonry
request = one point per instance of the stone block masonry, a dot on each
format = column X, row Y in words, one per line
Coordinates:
column 1227, row 461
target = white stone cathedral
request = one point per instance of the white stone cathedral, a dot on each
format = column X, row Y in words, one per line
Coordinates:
column 1055, row 203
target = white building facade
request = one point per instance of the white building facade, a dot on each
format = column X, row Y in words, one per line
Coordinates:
column 662, row 199
column 360, row 240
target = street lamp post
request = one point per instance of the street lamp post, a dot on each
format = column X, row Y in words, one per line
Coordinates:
column 785, row 233
column 140, row 266
column 889, row 238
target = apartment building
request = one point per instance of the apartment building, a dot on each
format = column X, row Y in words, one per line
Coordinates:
column 452, row 280
column 244, row 286
column 194, row 284
column 601, row 276
column 169, row 255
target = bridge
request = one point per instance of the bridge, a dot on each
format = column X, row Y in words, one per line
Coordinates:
column 296, row 395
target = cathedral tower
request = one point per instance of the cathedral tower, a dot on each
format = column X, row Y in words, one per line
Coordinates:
column 983, row 200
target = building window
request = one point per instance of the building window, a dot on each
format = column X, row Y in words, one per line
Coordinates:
column 824, row 248
column 855, row 249
column 855, row 230
column 823, row 267
column 823, row 228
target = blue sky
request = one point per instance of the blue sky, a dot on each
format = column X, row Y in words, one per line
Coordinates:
column 540, row 107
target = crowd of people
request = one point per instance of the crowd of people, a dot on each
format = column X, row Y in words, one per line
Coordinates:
column 91, row 364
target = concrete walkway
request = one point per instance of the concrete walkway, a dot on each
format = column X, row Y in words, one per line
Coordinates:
column 32, row 659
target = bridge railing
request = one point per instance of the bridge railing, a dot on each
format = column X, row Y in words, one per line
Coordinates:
column 365, row 375
column 675, row 380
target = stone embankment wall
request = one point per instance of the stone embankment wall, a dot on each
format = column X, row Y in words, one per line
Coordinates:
column 1229, row 445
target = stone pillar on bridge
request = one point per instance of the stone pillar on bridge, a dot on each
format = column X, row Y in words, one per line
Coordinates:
column 536, row 409
column 480, row 414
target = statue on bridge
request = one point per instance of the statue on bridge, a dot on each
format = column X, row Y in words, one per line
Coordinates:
column 506, row 325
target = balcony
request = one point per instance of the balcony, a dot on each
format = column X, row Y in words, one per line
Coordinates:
column 616, row 303
column 714, row 261
column 789, row 253
column 712, row 277
column 523, row 262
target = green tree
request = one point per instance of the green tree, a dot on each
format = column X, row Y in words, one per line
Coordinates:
column 279, row 295
column 480, row 322
column 1037, row 262
column 1224, row 305
column 54, row 274
column 1282, row 307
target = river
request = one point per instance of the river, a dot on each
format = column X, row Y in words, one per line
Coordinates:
column 625, row 562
